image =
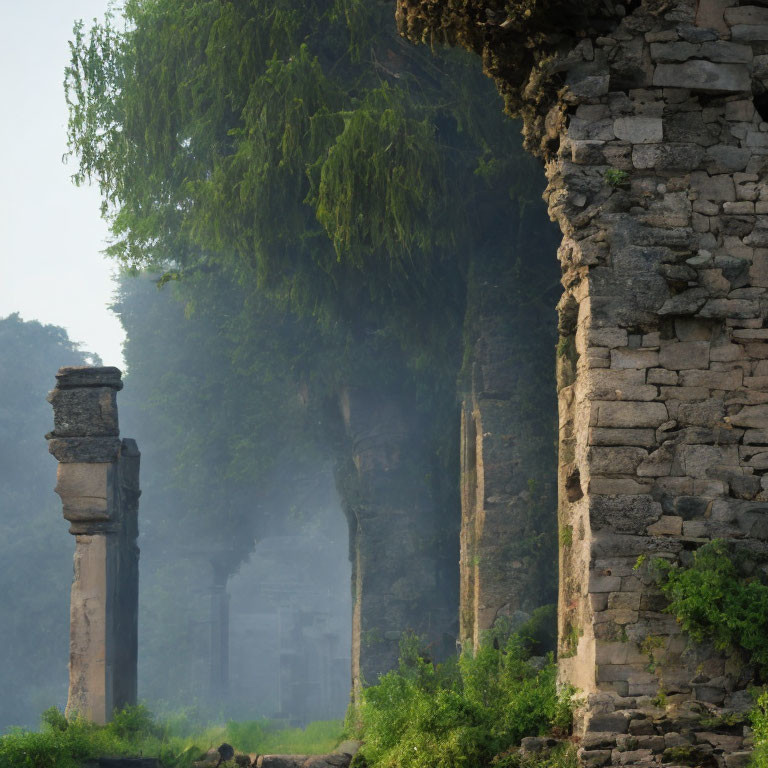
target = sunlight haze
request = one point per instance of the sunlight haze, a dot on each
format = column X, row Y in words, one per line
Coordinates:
column 51, row 234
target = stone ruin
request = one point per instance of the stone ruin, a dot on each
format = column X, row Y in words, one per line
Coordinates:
column 657, row 160
column 98, row 482
column 656, row 152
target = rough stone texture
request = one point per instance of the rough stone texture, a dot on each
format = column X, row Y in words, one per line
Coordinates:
column 402, row 570
column 332, row 760
column 664, row 413
column 98, row 482
column 665, row 277
column 508, row 425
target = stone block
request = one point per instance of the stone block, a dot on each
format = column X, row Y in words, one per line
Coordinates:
column 758, row 270
column 595, row 758
column 684, row 355
column 734, row 308
column 662, row 376
column 84, row 490
column 615, row 460
column 607, row 652
column 756, row 437
column 70, row 450
column 641, row 727
column 683, row 393
column 697, row 460
column 600, row 582
column 726, row 159
column 725, row 52
column 667, row 525
column 643, row 438
column 727, row 353
column 638, row 757
column 745, row 14
column 596, row 740
column 704, row 76
column 659, row 462
column 712, row 379
column 718, row 188
column 625, row 514
column 626, row 357
column 710, row 14
column 674, row 51
column 750, row 32
column 617, row 722
column 742, row 110
column 76, row 376
column 84, row 412
column 754, row 416
column 630, row 414
column 639, row 130
column 611, row 486
column 606, row 337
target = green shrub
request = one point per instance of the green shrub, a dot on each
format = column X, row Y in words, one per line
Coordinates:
column 615, row 178
column 713, row 601
column 463, row 712
column 759, row 721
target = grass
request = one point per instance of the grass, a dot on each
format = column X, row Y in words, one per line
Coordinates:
column 470, row 711
column 176, row 741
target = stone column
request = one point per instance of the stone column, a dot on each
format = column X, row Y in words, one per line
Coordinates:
column 398, row 536
column 660, row 185
column 508, row 433
column 98, row 482
column 219, row 624
column 652, row 121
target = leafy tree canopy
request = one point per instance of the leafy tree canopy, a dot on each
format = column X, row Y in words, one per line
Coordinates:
column 302, row 145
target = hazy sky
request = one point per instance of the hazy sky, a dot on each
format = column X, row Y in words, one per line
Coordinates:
column 51, row 235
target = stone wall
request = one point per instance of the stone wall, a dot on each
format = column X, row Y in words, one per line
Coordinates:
column 98, row 482
column 648, row 116
column 659, row 186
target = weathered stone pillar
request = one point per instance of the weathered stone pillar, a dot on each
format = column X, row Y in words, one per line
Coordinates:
column 398, row 536
column 508, row 431
column 651, row 116
column 98, row 482
column 219, row 624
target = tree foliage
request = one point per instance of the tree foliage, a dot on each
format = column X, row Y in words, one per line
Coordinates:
column 300, row 144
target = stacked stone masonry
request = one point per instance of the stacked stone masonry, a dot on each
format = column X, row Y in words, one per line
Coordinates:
column 660, row 186
column 98, row 482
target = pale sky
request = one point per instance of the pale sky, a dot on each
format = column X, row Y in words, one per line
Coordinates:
column 51, row 234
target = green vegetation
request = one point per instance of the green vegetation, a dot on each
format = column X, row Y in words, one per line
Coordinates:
column 759, row 721
column 469, row 711
column 177, row 742
column 713, row 600
column 615, row 178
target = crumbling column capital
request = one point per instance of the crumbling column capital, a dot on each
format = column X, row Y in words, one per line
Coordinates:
column 98, row 482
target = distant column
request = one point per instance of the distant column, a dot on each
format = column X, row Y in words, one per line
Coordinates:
column 219, row 657
column 98, row 482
